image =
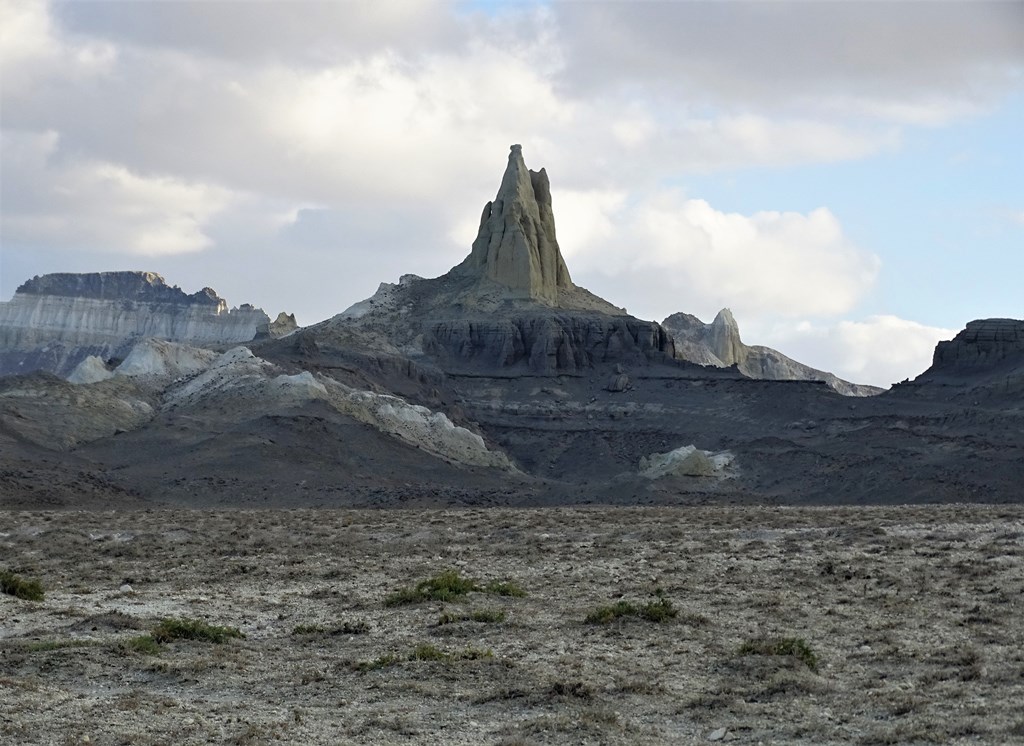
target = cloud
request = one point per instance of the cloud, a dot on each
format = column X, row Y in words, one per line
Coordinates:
column 797, row 53
column 683, row 254
column 52, row 202
column 879, row 350
column 310, row 33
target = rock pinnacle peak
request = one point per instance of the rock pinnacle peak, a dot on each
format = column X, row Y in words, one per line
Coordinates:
column 516, row 245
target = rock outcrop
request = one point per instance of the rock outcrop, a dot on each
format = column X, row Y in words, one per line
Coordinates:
column 719, row 344
column 983, row 343
column 55, row 321
column 282, row 326
column 986, row 359
column 516, row 245
column 509, row 307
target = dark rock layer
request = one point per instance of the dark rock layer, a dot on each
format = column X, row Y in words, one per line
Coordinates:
column 138, row 286
column 545, row 344
column 984, row 342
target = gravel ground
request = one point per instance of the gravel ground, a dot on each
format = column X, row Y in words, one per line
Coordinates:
column 914, row 615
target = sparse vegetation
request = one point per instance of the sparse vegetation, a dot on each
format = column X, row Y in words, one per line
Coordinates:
column 425, row 652
column 193, row 629
column 506, row 588
column 345, row 628
column 484, row 616
column 660, row 610
column 15, row 585
column 143, row 644
column 792, row 646
column 450, row 586
column 47, row 645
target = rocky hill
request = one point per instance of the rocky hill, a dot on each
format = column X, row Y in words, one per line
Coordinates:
column 984, row 361
column 500, row 382
column 55, row 321
column 719, row 344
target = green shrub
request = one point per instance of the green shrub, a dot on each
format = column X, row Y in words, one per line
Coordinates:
column 791, row 646
column 424, row 652
column 143, row 644
column 484, row 616
column 42, row 647
column 506, row 588
column 345, row 628
column 449, row 586
column 193, row 629
column 308, row 629
column 660, row 610
column 14, row 585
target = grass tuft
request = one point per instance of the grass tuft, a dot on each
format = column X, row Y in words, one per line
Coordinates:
column 15, row 585
column 450, row 586
column 47, row 645
column 193, row 629
column 792, row 646
column 660, row 610
column 143, row 644
column 345, row 628
column 427, row 653
column 484, row 616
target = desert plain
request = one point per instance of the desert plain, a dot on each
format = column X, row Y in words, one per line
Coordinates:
column 780, row 625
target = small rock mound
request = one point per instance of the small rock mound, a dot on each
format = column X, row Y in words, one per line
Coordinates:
column 687, row 461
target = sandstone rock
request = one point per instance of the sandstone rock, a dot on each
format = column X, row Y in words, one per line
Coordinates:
column 719, row 344
column 282, row 326
column 724, row 339
column 91, row 370
column 516, row 245
column 687, row 461
column 55, row 321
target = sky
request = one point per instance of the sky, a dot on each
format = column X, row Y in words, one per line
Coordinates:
column 846, row 177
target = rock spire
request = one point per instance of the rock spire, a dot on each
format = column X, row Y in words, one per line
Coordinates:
column 516, row 245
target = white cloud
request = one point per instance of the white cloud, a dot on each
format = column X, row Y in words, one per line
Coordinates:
column 686, row 255
column 33, row 50
column 89, row 204
column 879, row 350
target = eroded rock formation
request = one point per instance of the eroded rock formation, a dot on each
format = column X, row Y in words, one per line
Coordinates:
column 55, row 321
column 516, row 245
column 984, row 342
column 719, row 344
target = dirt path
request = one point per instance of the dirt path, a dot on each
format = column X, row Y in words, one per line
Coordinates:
column 914, row 614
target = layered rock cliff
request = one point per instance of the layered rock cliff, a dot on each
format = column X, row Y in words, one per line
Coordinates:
column 983, row 343
column 510, row 307
column 985, row 359
column 719, row 344
column 55, row 321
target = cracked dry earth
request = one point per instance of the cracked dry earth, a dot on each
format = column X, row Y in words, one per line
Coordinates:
column 914, row 613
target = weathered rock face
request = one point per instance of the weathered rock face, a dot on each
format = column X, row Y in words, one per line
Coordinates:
column 56, row 321
column 983, row 343
column 719, row 344
column 983, row 361
column 282, row 326
column 516, row 245
column 139, row 286
column 545, row 344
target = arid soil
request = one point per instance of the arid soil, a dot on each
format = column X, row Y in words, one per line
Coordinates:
column 915, row 615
